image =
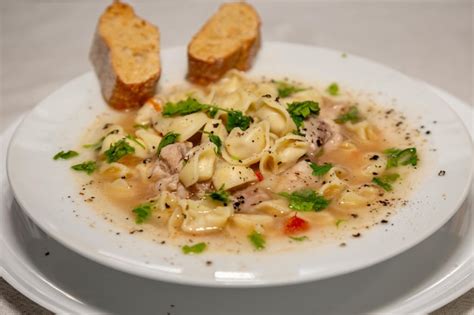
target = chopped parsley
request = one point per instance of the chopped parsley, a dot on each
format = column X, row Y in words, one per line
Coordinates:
column 257, row 240
column 88, row 167
column 333, row 89
column 142, row 212
column 301, row 110
column 185, row 107
column 306, row 200
column 190, row 105
column 320, row 170
column 217, row 142
column 396, row 157
column 168, row 139
column 65, row 155
column 236, row 119
column 118, row 150
column 285, row 89
column 299, row 238
column 385, row 181
column 213, row 111
column 194, row 249
column 352, row 115
column 220, row 195
column 96, row 146
column 134, row 139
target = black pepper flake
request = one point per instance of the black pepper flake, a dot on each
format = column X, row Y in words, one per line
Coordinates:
column 427, row 132
column 163, row 242
column 342, row 244
column 167, row 206
column 374, row 157
column 267, row 95
column 384, row 221
column 398, row 124
column 356, row 235
column 442, row 173
column 208, row 263
column 215, row 125
column 354, row 215
column 46, row 254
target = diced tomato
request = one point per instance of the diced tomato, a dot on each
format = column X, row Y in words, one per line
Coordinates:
column 259, row 175
column 295, row 225
column 155, row 103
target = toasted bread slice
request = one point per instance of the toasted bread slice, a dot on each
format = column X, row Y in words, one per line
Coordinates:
column 229, row 39
column 126, row 57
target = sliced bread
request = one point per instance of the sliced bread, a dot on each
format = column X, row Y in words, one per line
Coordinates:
column 126, row 57
column 229, row 39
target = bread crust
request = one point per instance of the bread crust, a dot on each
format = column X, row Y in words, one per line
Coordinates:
column 203, row 72
column 116, row 92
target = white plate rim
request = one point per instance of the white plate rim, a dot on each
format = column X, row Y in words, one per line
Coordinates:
column 437, row 301
column 163, row 276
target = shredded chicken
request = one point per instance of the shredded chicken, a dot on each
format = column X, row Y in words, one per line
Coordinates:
column 245, row 199
column 321, row 133
column 297, row 177
column 168, row 165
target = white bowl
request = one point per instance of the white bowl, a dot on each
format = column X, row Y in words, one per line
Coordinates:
column 41, row 185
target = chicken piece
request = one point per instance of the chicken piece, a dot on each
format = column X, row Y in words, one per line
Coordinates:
column 244, row 200
column 172, row 155
column 168, row 165
column 297, row 177
column 321, row 133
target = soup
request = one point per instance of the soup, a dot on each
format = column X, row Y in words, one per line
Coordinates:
column 244, row 163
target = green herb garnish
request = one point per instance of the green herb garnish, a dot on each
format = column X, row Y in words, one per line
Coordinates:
column 285, row 89
column 190, row 105
column 194, row 249
column 65, row 155
column 142, row 212
column 220, row 195
column 301, row 110
column 88, row 167
column 351, row 115
column 333, row 89
column 320, row 170
column 385, row 181
column 306, row 200
column 134, row 139
column 118, row 150
column 168, row 139
column 236, row 119
column 182, row 108
column 299, row 238
column 339, row 222
column 217, row 142
column 257, row 240
column 95, row 146
column 213, row 111
column 396, row 157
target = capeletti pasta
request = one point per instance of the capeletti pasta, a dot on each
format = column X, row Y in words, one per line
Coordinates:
column 255, row 160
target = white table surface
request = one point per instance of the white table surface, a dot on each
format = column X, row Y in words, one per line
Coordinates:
column 45, row 43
